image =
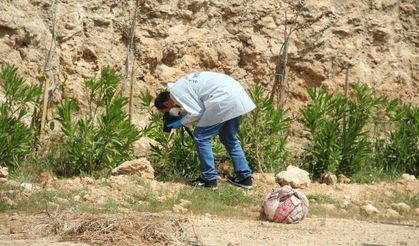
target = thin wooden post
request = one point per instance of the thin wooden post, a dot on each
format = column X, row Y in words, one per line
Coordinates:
column 346, row 81
column 131, row 91
column 346, row 96
column 44, row 107
column 49, row 75
column 130, row 50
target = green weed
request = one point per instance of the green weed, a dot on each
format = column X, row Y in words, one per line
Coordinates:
column 226, row 201
column 98, row 142
column 410, row 199
column 338, row 130
column 263, row 134
column 4, row 206
column 401, row 152
column 15, row 136
column 321, row 199
column 42, row 201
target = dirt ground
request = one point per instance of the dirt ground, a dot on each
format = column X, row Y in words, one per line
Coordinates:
column 334, row 227
column 210, row 230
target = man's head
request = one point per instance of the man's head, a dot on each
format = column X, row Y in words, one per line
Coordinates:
column 164, row 102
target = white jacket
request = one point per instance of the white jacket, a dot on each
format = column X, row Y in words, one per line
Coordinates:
column 210, row 98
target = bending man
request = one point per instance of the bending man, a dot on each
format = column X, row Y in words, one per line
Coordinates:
column 215, row 103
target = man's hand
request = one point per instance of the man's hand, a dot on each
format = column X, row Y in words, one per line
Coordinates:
column 176, row 124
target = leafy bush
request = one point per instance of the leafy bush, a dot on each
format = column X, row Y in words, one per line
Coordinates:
column 322, row 120
column 15, row 136
column 401, row 152
column 338, row 130
column 356, row 140
column 262, row 134
column 101, row 140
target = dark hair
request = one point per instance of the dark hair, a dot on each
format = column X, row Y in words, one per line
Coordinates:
column 161, row 99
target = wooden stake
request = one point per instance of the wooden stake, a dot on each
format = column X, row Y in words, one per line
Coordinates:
column 344, row 122
column 130, row 49
column 346, row 81
column 131, row 89
column 45, row 106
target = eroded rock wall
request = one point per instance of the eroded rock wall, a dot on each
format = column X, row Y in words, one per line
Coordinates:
column 378, row 39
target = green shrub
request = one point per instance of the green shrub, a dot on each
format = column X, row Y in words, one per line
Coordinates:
column 322, row 120
column 400, row 153
column 338, row 130
column 262, row 134
column 100, row 141
column 356, row 137
column 15, row 136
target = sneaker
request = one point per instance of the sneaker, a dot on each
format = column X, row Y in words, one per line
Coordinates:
column 244, row 183
column 200, row 182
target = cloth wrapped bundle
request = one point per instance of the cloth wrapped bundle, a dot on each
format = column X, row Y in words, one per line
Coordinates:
column 285, row 205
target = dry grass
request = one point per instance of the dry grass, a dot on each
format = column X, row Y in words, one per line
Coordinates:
column 128, row 229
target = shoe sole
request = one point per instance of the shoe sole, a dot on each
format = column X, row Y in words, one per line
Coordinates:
column 248, row 187
column 201, row 185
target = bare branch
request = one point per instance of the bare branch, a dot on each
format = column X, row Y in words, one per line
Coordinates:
column 130, row 49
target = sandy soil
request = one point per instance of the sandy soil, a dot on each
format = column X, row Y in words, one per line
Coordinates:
column 212, row 230
column 169, row 228
column 312, row 231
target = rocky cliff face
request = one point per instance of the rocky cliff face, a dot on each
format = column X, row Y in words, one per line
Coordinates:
column 377, row 39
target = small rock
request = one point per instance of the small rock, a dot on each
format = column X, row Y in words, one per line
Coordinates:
column 369, row 210
column 4, row 173
column 87, row 180
column 328, row 178
column 140, row 167
column 27, row 186
column 293, row 176
column 401, row 207
column 343, row 179
column 408, row 177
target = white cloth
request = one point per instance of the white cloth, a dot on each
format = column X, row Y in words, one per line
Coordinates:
column 210, row 98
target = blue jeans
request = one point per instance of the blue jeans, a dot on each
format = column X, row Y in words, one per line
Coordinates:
column 228, row 136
